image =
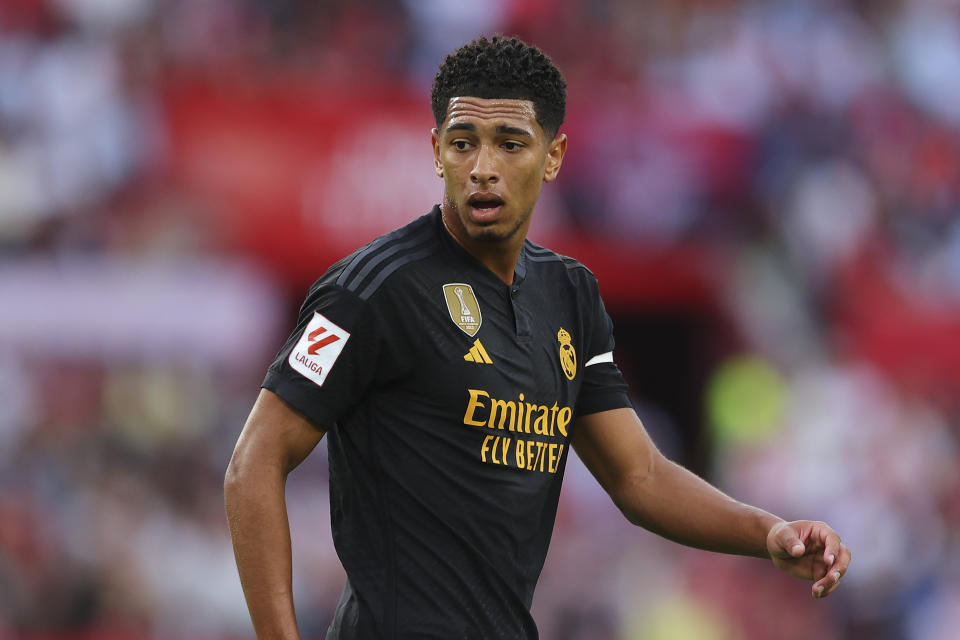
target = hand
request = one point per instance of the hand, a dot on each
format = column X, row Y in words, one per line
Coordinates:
column 809, row 550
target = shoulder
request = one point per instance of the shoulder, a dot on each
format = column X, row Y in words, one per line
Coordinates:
column 544, row 258
column 364, row 272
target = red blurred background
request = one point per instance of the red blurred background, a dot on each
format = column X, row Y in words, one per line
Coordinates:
column 768, row 192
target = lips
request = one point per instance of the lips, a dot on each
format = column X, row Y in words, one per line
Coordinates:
column 485, row 200
column 485, row 206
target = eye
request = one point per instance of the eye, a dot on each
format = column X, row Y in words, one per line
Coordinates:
column 460, row 145
column 512, row 146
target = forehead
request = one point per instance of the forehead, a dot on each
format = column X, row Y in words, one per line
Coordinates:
column 491, row 111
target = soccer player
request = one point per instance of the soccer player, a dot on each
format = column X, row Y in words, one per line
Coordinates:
column 452, row 364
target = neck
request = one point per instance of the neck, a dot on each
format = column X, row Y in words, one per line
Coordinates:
column 500, row 256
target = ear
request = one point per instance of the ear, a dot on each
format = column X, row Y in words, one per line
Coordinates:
column 555, row 153
column 435, row 141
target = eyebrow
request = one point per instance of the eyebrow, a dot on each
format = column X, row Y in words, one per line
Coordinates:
column 514, row 131
column 502, row 128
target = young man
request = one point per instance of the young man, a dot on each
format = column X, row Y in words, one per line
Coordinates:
column 453, row 363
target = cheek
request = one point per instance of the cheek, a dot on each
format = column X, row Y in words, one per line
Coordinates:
column 532, row 181
column 452, row 180
column 453, row 171
column 449, row 173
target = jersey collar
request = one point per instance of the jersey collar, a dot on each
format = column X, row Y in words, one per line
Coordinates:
column 519, row 272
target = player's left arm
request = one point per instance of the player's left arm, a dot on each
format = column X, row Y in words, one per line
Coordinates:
column 667, row 499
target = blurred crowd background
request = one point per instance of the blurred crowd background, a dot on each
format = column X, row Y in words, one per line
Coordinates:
column 768, row 192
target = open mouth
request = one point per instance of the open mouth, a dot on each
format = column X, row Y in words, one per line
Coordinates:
column 485, row 205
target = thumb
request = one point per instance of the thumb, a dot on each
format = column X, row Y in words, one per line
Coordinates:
column 789, row 541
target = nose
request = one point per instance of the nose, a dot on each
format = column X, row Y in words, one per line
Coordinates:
column 484, row 169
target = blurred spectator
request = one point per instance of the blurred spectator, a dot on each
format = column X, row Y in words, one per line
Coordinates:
column 173, row 174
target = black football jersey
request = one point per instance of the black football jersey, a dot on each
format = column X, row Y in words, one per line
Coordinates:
column 449, row 398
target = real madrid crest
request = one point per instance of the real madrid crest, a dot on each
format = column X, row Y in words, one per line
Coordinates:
column 463, row 307
column 568, row 355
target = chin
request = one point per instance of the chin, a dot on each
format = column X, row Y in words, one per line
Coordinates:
column 489, row 235
column 493, row 232
column 498, row 231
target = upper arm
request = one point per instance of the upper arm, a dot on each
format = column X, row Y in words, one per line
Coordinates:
column 342, row 348
column 616, row 448
column 275, row 435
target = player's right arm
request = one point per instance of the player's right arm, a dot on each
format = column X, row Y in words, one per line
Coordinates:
column 275, row 439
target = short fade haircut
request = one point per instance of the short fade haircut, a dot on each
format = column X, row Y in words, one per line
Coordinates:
column 502, row 67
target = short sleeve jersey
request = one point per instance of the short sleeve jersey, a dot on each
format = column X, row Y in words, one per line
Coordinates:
column 449, row 398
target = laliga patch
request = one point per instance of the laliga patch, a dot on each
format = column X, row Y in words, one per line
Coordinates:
column 318, row 348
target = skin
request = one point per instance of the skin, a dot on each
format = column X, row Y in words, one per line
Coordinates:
column 497, row 148
column 494, row 147
column 275, row 439
column 663, row 497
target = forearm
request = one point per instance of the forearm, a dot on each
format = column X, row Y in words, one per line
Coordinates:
column 257, row 514
column 676, row 504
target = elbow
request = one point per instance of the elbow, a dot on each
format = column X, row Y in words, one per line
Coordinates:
column 235, row 476
column 635, row 490
column 243, row 464
column 630, row 504
column 250, row 470
column 232, row 478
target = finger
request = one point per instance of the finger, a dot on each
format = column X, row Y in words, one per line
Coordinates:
column 829, row 583
column 826, row 585
column 790, row 542
column 831, row 544
column 843, row 559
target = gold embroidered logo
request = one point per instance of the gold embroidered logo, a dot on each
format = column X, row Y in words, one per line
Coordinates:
column 568, row 355
column 478, row 354
column 463, row 307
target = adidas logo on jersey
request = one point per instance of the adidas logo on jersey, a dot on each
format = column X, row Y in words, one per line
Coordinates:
column 477, row 354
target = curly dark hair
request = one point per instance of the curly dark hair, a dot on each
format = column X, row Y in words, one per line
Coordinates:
column 502, row 67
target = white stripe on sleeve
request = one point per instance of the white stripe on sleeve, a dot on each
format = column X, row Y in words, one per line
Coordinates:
column 603, row 357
